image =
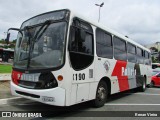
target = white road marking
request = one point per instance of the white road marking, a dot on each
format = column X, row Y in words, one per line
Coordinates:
column 158, row 89
column 144, row 94
column 129, row 104
column 5, row 101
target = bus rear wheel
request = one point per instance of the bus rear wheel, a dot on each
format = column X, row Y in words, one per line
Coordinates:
column 101, row 95
column 151, row 84
column 143, row 87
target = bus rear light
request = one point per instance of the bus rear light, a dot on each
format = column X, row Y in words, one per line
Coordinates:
column 60, row 78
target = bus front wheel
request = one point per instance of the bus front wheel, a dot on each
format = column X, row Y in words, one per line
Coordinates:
column 101, row 95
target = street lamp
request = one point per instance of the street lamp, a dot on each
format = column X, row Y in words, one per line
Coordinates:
column 5, row 35
column 100, row 5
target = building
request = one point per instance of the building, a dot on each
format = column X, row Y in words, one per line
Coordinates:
column 154, row 45
column 6, row 54
column 155, row 50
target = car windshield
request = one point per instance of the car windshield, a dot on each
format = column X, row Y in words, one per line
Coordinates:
column 41, row 47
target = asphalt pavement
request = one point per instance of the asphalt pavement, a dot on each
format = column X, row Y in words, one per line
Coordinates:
column 120, row 106
column 5, row 83
column 5, row 90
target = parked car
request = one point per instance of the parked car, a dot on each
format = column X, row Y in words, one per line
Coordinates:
column 155, row 80
column 155, row 71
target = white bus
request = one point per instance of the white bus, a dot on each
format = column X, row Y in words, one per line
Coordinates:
column 63, row 59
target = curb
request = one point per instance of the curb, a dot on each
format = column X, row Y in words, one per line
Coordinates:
column 5, row 77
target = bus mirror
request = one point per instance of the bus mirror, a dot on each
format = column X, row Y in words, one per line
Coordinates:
column 8, row 34
column 82, row 35
column 7, row 38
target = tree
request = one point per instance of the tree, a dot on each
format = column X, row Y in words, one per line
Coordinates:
column 11, row 45
column 154, row 60
column 2, row 41
column 14, row 41
column 159, row 56
column 154, row 49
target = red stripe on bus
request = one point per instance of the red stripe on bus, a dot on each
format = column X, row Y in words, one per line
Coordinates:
column 122, row 79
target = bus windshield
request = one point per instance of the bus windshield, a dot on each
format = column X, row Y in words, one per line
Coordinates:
column 41, row 47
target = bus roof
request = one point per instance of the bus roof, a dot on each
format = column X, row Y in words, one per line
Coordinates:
column 96, row 24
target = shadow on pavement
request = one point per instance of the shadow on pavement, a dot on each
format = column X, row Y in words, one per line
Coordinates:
column 80, row 110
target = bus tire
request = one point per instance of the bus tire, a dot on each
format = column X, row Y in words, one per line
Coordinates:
column 101, row 95
column 143, row 87
column 151, row 84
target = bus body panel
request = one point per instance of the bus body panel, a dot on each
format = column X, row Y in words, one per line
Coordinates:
column 64, row 85
column 123, row 75
column 81, row 81
column 55, row 96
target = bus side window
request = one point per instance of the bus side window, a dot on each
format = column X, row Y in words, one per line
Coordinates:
column 72, row 42
column 104, row 45
column 146, row 56
column 119, row 49
column 81, row 48
column 131, row 52
column 140, row 58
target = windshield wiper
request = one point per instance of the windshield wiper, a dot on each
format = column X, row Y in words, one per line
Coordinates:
column 36, row 37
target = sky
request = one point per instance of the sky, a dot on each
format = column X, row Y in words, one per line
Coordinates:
column 137, row 19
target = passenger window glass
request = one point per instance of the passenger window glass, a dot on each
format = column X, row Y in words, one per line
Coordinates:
column 131, row 53
column 140, row 58
column 78, row 44
column 85, row 46
column 131, row 48
column 119, row 49
column 119, row 44
column 81, row 45
column 104, row 44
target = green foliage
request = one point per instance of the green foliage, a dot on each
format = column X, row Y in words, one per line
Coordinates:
column 154, row 60
column 154, row 49
column 14, row 41
column 2, row 41
column 5, row 68
column 11, row 44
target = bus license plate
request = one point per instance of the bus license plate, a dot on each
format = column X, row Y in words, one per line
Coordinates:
column 47, row 99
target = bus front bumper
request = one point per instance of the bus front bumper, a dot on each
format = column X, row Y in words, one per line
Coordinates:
column 54, row 96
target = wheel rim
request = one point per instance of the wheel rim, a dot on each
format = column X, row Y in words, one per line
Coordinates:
column 101, row 93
